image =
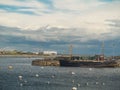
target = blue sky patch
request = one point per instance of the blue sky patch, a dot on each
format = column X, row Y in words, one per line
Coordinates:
column 107, row 0
column 16, row 9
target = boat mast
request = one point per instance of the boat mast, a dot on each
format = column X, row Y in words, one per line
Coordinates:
column 113, row 46
column 70, row 51
column 102, row 52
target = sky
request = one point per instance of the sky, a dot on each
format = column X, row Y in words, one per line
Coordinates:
column 40, row 25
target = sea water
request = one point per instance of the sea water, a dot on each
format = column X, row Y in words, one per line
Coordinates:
column 23, row 76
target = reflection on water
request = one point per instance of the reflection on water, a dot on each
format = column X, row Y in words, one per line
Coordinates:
column 18, row 74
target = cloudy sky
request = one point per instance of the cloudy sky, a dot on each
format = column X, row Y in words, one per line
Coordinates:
column 37, row 25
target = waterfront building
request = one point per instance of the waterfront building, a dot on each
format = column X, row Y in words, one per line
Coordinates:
column 49, row 52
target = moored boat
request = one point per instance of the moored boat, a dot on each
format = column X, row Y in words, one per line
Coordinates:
column 70, row 62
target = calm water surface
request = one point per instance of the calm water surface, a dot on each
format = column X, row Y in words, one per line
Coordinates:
column 24, row 76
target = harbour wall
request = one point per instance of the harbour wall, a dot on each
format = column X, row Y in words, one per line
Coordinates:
column 45, row 63
column 50, row 62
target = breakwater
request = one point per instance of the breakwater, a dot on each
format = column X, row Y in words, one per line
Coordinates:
column 45, row 63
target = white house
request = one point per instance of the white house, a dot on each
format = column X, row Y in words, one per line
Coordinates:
column 49, row 52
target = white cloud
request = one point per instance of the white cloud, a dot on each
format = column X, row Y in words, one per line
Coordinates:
column 26, row 3
column 78, row 5
column 89, row 17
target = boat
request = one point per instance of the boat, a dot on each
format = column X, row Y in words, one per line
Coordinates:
column 98, row 61
column 76, row 62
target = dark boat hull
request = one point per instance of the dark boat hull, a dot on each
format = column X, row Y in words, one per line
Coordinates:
column 72, row 63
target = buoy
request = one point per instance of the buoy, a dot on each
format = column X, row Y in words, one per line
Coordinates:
column 103, row 83
column 10, row 67
column 20, row 77
column 42, row 67
column 78, row 84
column 96, row 82
column 73, row 81
column 72, row 73
column 37, row 75
column 25, row 81
column 74, row 88
column 48, row 82
column 53, row 76
column 87, row 83
column 21, row 84
column 90, row 69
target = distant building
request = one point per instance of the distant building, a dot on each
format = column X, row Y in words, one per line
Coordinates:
column 49, row 52
column 36, row 53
